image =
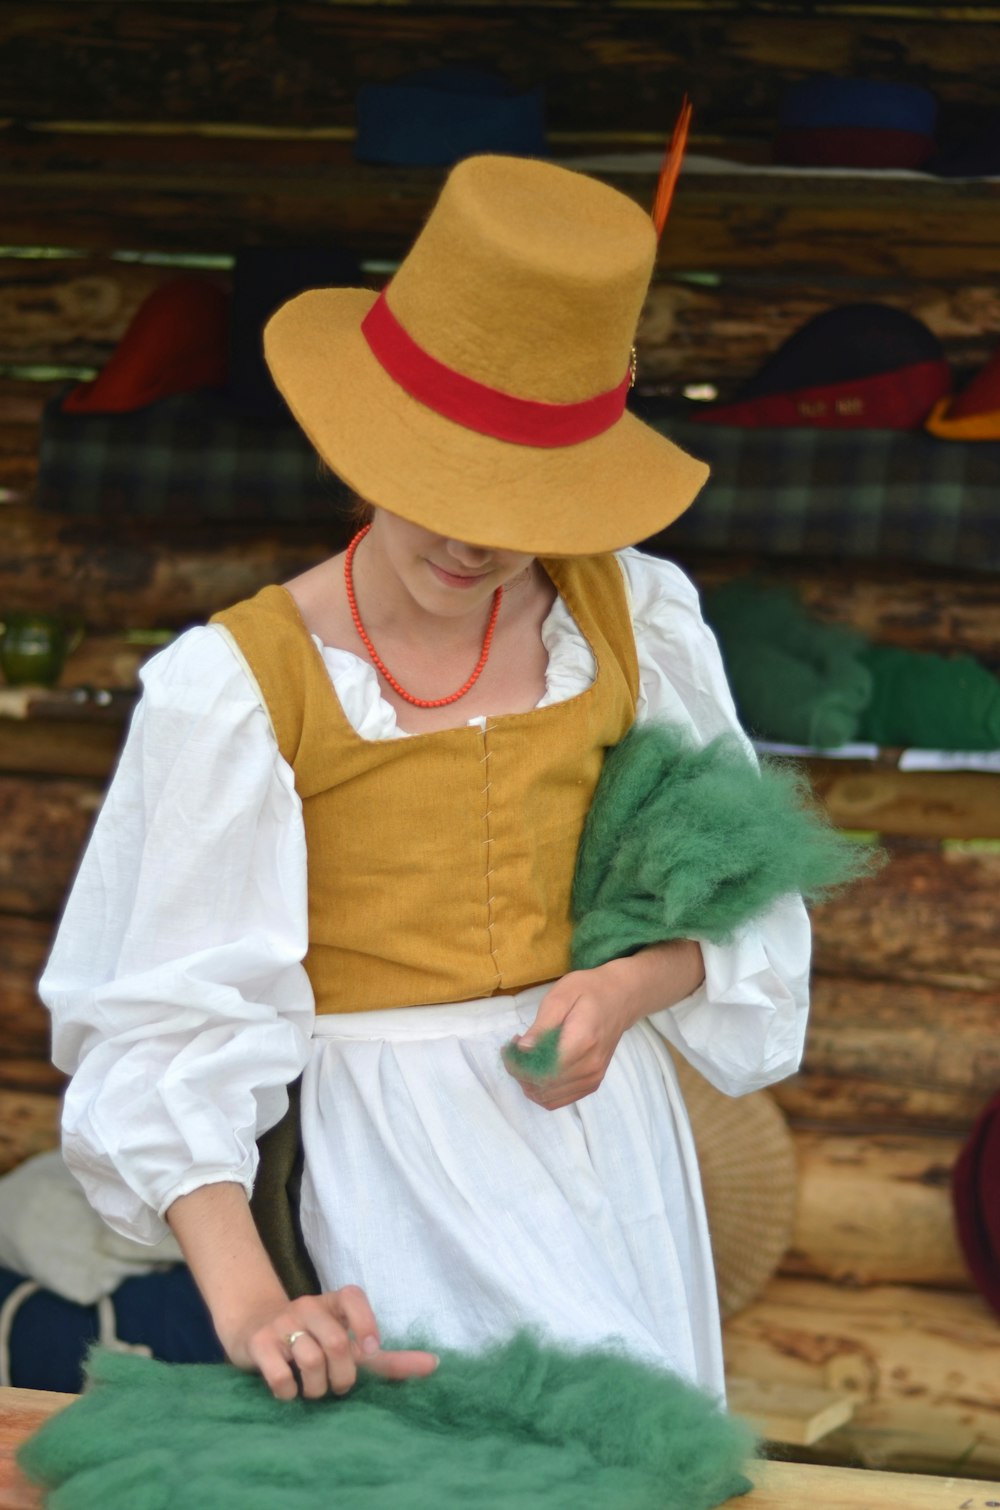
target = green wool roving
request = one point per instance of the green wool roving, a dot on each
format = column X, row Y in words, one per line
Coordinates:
column 522, row 1427
column 693, row 843
column 536, row 1063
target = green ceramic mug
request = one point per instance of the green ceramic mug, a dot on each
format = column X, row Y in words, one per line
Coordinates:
column 34, row 647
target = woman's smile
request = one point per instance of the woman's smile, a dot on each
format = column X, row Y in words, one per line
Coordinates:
column 457, row 579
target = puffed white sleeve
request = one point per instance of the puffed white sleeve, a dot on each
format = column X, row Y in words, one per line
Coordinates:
column 180, row 1005
column 744, row 1027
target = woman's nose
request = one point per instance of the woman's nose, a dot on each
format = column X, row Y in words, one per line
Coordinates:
column 468, row 555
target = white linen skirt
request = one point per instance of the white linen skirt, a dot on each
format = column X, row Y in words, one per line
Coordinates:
column 466, row 1212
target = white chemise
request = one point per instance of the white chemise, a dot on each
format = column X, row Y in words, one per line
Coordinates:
column 182, row 1010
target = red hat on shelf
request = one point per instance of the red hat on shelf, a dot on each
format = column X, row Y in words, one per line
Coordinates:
column 856, row 367
column 177, row 340
column 975, row 413
column 975, row 1188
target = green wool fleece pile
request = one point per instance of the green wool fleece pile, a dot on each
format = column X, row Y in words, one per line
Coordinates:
column 523, row 1427
column 694, row 843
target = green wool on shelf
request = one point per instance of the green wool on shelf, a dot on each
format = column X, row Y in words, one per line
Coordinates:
column 794, row 677
column 933, row 702
column 519, row 1426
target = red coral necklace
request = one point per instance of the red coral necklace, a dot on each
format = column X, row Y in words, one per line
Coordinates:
column 418, row 702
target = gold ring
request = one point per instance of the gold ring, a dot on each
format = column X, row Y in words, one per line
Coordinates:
column 292, row 1337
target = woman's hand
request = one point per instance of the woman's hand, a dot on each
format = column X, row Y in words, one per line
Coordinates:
column 254, row 1318
column 593, row 1008
column 335, row 1335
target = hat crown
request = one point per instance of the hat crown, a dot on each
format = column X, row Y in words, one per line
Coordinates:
column 528, row 278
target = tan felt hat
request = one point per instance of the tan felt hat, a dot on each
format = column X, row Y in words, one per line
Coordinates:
column 749, row 1180
column 482, row 395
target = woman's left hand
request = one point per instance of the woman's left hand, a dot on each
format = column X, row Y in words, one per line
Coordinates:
column 593, row 1008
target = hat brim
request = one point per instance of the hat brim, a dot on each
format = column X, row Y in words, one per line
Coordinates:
column 598, row 495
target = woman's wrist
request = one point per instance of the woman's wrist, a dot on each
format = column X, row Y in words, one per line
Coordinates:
column 657, row 977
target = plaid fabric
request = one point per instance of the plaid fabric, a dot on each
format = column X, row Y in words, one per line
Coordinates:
column 186, row 457
column 886, row 494
column 874, row 494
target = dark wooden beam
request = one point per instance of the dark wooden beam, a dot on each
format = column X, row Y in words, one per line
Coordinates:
column 102, row 193
column 299, row 65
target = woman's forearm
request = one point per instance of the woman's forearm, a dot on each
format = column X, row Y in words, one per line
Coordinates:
column 219, row 1240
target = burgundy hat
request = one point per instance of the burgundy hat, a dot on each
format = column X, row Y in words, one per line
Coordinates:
column 975, row 1188
column 176, row 341
column 856, row 367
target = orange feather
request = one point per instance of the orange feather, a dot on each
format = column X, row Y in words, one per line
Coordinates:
column 672, row 159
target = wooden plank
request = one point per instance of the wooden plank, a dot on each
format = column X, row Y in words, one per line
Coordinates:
column 300, row 64
column 22, row 1413
column 788, row 1413
column 923, row 1367
column 876, row 1209
column 929, row 916
column 895, row 1055
column 798, row 1486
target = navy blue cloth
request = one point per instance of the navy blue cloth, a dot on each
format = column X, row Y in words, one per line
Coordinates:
column 438, row 116
column 50, row 1336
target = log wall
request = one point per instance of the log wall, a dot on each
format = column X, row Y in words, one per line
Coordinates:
column 131, row 134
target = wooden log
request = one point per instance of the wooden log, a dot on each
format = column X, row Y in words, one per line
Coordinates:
column 29, row 1124
column 128, row 573
column 690, row 333
column 876, row 1210
column 31, row 1075
column 48, row 748
column 24, row 1023
column 929, row 916
column 914, row 804
column 922, row 1365
column 95, row 192
column 884, row 1055
column 300, row 64
column 45, row 825
column 919, row 608
column 146, row 574
column 75, row 310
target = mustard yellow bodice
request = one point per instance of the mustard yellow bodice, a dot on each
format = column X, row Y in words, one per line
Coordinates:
column 441, row 864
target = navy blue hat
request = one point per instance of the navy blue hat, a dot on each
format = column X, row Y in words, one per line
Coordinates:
column 825, row 121
column 438, row 116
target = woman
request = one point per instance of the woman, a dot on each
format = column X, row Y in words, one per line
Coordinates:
column 425, row 717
